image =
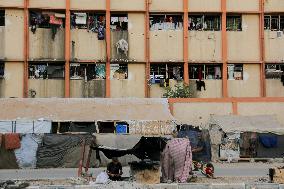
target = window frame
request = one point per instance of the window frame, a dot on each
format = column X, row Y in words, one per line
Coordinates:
column 123, row 69
column 205, row 71
column 236, row 68
column 44, row 75
column 119, row 15
column 235, row 26
column 203, row 19
column 165, row 71
column 277, row 68
column 2, row 70
column 2, row 17
column 167, row 18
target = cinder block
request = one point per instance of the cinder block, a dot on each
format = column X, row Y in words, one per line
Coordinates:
column 194, row 186
column 262, row 186
column 228, row 186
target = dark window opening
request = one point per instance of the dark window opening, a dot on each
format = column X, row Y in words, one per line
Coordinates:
column 163, row 72
column 87, row 71
column 204, row 22
column 235, row 72
column 267, row 21
column 166, row 22
column 119, row 22
column 119, row 71
column 234, row 23
column 2, row 17
column 2, row 69
column 204, row 71
column 60, row 127
column 274, row 71
column 46, row 71
column 274, row 22
column 106, row 127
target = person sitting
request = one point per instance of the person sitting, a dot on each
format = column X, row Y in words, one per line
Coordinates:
column 114, row 170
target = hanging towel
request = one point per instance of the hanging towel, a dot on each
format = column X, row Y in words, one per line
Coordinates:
column 12, row 141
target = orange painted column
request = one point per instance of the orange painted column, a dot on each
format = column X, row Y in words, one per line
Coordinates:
column 235, row 107
column 224, row 49
column 67, row 50
column 147, row 50
column 108, row 47
column 26, row 48
column 185, row 41
column 262, row 49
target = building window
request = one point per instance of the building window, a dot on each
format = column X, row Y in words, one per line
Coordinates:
column 203, row 71
column 87, row 71
column 90, row 21
column 274, row 71
column 166, row 22
column 234, row 23
column 2, row 17
column 274, row 22
column 163, row 72
column 235, row 72
column 119, row 71
column 2, row 69
column 119, row 22
column 204, row 22
column 46, row 71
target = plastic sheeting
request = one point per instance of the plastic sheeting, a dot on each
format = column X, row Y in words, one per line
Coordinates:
column 24, row 126
column 26, row 155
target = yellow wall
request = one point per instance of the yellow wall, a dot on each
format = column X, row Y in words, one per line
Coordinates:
column 14, row 34
column 88, row 4
column 274, row 5
column 198, row 114
column 244, row 45
column 166, row 5
column 87, row 45
column 125, row 5
column 131, row 87
column 46, row 88
column 2, row 88
column 82, row 89
column 166, row 45
column 204, row 5
column 242, row 5
column 213, row 89
column 43, row 47
column 204, row 46
column 136, row 36
column 11, row 3
column 249, row 86
column 2, row 42
column 47, row 4
column 274, row 46
column 274, row 88
column 14, row 75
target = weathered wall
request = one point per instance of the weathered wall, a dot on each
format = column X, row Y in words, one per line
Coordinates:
column 249, row 86
column 43, row 47
column 204, row 5
column 131, row 87
column 2, row 42
column 242, row 5
column 263, row 108
column 136, row 36
column 274, row 46
column 166, row 45
column 274, row 88
column 46, row 88
column 166, row 6
column 47, row 4
column 90, row 89
column 274, row 5
column 125, row 5
column 199, row 113
column 88, row 4
column 87, row 46
column 204, row 46
column 2, row 88
column 14, row 74
column 213, row 89
column 14, row 34
column 244, row 45
column 12, row 3
column 157, row 92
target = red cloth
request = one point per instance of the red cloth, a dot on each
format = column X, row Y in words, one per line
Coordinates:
column 56, row 21
column 12, row 141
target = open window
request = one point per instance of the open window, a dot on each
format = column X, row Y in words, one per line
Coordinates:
column 87, row 71
column 2, row 17
column 119, row 22
column 234, row 23
column 274, row 22
column 160, row 73
column 235, row 71
column 46, row 71
column 274, row 71
column 119, row 71
column 204, row 22
column 166, row 22
column 2, row 70
column 204, row 71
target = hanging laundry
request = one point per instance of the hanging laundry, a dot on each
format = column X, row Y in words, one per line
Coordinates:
column 123, row 46
column 54, row 20
column 12, row 141
column 101, row 33
column 81, row 18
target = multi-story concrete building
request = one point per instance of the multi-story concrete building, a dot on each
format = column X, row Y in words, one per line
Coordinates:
column 133, row 48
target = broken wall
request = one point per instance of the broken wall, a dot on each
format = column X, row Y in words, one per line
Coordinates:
column 273, row 5
column 213, row 89
column 43, row 47
column 166, row 6
column 56, row 4
column 274, row 88
column 249, row 86
column 205, row 46
column 46, row 88
column 126, row 5
column 274, row 46
column 131, row 87
column 204, row 5
column 12, row 3
column 242, row 5
column 88, row 4
column 89, row 89
column 244, row 45
column 86, row 46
